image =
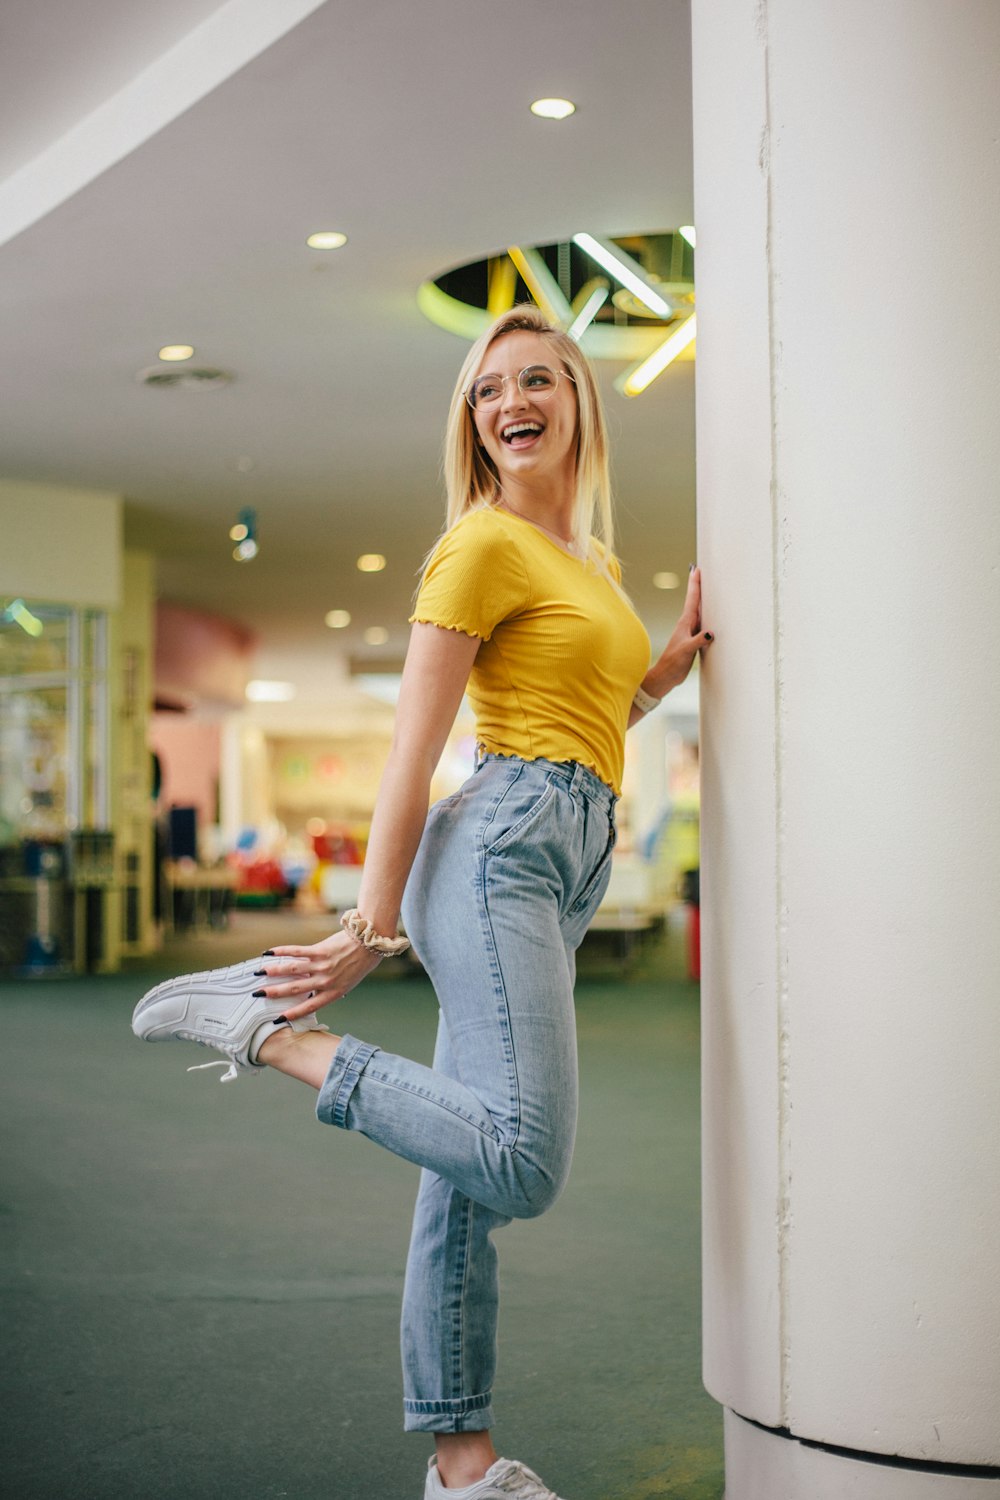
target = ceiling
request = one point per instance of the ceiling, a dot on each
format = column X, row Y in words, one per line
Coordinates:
column 161, row 168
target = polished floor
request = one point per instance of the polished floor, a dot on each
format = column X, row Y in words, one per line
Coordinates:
column 201, row 1284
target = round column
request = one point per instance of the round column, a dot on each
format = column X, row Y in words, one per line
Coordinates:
column 848, row 213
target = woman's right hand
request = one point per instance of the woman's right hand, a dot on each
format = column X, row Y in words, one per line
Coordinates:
column 315, row 975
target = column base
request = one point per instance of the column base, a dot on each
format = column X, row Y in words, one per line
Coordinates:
column 765, row 1465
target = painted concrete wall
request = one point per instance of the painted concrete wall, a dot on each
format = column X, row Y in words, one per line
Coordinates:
column 60, row 545
column 848, row 213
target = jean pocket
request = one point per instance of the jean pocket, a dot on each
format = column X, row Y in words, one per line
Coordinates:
column 525, row 816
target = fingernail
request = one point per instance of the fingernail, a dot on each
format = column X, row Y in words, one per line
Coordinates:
column 267, row 953
column 260, row 973
column 258, row 995
column 691, row 567
column 709, row 636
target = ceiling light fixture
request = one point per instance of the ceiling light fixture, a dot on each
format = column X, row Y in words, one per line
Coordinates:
column 624, row 269
column 370, row 562
column 171, row 352
column 244, row 534
column 553, row 109
column 337, row 619
column 588, row 312
column 326, row 239
column 376, row 635
column 542, row 285
column 592, row 301
column 641, row 375
column 261, row 690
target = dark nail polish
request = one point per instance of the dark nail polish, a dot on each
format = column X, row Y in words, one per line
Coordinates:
column 258, row 995
column 260, row 973
column 267, row 953
column 709, row 636
column 691, row 567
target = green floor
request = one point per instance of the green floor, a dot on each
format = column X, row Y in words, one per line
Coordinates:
column 202, row 1284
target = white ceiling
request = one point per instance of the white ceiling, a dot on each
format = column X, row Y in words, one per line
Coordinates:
column 175, row 208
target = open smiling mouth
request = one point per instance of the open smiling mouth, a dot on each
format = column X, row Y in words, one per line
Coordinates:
column 521, row 434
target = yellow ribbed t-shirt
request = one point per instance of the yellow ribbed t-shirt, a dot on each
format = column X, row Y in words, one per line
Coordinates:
column 562, row 652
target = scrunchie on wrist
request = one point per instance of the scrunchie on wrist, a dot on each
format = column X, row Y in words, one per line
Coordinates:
column 364, row 933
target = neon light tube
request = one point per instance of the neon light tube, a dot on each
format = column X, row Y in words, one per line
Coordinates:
column 588, row 312
column 645, row 373
column 624, row 269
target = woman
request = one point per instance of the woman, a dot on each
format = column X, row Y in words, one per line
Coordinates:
column 497, row 884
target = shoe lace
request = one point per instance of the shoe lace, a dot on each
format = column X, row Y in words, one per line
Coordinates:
column 231, row 1073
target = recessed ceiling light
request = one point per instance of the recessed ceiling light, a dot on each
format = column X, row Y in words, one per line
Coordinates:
column 239, row 532
column 665, row 580
column 338, row 619
column 326, row 239
column 176, row 351
column 371, row 562
column 376, row 635
column 263, row 691
column 553, row 109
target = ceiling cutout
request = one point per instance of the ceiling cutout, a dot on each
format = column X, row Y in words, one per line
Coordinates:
column 627, row 298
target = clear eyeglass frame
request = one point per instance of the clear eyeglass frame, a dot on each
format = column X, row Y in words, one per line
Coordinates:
column 547, row 382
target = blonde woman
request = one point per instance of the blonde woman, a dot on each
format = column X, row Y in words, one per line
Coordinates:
column 521, row 606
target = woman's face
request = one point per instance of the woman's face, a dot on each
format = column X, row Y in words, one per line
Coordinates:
column 528, row 438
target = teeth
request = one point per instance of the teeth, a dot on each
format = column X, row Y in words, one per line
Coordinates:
column 521, row 427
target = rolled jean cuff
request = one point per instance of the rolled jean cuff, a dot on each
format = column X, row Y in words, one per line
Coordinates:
column 467, row 1414
column 349, row 1062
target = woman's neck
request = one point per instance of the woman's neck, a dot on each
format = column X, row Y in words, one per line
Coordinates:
column 553, row 513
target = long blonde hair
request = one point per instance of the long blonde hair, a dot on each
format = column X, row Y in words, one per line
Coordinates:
column 471, row 480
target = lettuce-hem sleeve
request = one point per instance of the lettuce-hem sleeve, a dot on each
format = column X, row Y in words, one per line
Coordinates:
column 475, row 578
column 422, row 619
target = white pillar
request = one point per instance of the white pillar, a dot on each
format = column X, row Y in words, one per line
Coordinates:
column 848, row 213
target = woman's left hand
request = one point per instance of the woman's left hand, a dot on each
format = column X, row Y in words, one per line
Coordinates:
column 315, row 974
column 688, row 639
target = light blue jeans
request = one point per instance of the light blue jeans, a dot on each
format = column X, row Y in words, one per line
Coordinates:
column 509, row 872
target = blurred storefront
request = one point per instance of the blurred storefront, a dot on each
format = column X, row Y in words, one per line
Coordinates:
column 75, row 662
column 146, row 786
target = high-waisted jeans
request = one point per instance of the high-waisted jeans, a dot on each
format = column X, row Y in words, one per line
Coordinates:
column 509, row 872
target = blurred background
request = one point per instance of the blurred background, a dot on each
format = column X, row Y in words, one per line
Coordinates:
column 243, row 249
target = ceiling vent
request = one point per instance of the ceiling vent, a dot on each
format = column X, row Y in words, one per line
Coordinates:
column 203, row 379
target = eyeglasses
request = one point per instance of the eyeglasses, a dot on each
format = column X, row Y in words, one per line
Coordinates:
column 536, row 381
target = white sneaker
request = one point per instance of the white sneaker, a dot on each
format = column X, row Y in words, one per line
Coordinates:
column 503, row 1480
column 216, row 1008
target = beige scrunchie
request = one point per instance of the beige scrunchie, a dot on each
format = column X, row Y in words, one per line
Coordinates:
column 364, row 933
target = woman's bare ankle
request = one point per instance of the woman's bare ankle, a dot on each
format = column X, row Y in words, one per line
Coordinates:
column 305, row 1055
column 463, row 1457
